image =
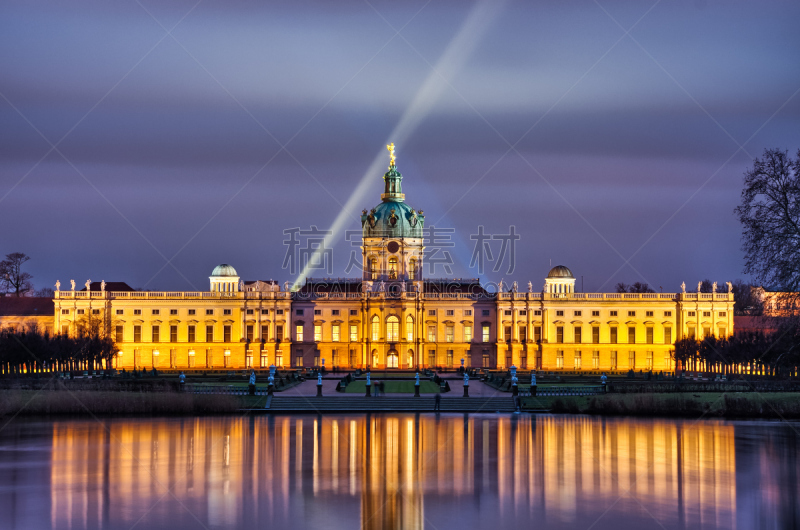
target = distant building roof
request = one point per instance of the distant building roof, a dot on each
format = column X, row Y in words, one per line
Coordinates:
column 26, row 306
column 764, row 324
column 111, row 286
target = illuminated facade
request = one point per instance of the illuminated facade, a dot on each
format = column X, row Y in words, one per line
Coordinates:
column 392, row 317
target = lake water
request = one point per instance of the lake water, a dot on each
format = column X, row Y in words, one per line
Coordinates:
column 398, row 471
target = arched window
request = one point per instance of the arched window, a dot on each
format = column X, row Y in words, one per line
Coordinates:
column 392, row 328
column 392, row 268
column 410, row 328
column 376, row 328
column 412, row 269
column 373, row 268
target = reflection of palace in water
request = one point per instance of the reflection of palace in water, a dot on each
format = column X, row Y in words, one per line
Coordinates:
column 390, row 471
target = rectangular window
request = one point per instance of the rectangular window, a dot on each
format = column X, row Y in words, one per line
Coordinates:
column 431, row 312
column 523, row 334
column 335, row 312
column 248, row 359
column 449, row 333
column 192, row 312
column 318, row 312
column 537, row 333
column 632, row 360
column 249, row 311
column 596, row 359
column 191, row 358
column 485, row 359
column 507, row 333
column 537, row 313
column 353, row 312
column 523, row 361
column 722, row 313
column 209, row 333
column 279, row 332
column 523, row 313
column 577, row 313
column 409, row 330
column 450, row 312
column 691, row 313
column 66, row 311
column 156, row 311
column 595, row 313
column 613, row 337
column 265, row 332
column 613, row 360
column 80, row 311
column 707, row 314
column 250, row 332
column 265, row 311
column 468, row 312
column 95, row 311
column 353, row 358
column 578, row 359
column 467, row 333
column 631, row 335
column 376, row 329
column 596, row 334
column 279, row 358
column 118, row 334
column 667, row 313
column 209, row 311
column 485, row 312
column 156, row 333
column 335, row 357
column 690, row 332
column 317, row 333
column 449, row 358
column 298, row 359
column 335, row 333
column 298, row 333
column 649, row 361
column 226, row 333
column 648, row 313
column 173, row 311
column 706, row 331
column 560, row 359
column 226, row 311
column 264, row 359
column 299, row 312
column 578, row 334
column 559, row 313
column 668, row 360
column 613, row 313
column 507, row 312
column 353, row 333
column 280, row 313
column 191, row 333
column 560, row 334
column 667, row 335
column 137, row 333
column 649, row 336
column 631, row 313
column 431, row 357
column 173, row 333
column 431, row 333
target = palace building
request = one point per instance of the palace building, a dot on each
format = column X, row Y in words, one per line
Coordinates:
column 393, row 317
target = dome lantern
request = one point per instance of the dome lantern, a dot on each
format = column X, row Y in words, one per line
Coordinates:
column 224, row 279
column 560, row 281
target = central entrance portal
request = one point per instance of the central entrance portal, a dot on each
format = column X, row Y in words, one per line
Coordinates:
column 391, row 359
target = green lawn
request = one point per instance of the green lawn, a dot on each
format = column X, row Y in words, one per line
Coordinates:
column 394, row 387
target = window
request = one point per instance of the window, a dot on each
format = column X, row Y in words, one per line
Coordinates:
column 137, row 333
column 226, row 333
column 449, row 334
column 173, row 311
column 668, row 360
column 485, row 312
column 81, row 311
column 66, row 311
column 706, row 314
column 392, row 328
column 265, row 311
column 353, row 312
column 537, row 333
column 191, row 333
column 537, row 313
column 631, row 335
column 279, row 332
column 280, row 313
column 467, row 333
column 353, row 358
column 431, row 357
column 450, row 312
column 431, row 333
column 173, row 333
column 722, row 313
column 335, row 357
column 191, row 358
column 155, row 333
column 156, row 311
column 596, row 334
column 226, row 311
column 631, row 313
column 648, row 361
column 559, row 313
column 353, row 333
column 523, row 313
column 65, row 329
column 613, row 333
column 298, row 333
column 578, row 334
column 485, row 359
column 335, row 312
column 192, row 312
column 449, row 358
column 485, row 333
column 632, row 360
column 468, row 312
column 209, row 333
column 667, row 335
column 690, row 332
column 667, row 313
column 523, row 334
column 318, row 312
column 431, row 312
column 118, row 334
column 376, row 328
column 335, row 333
column 507, row 333
column 560, row 334
column 706, row 331
column 298, row 358
column 577, row 313
column 409, row 328
column 691, row 313
column 299, row 312
column 317, row 332
column 648, row 313
column 595, row 313
column 578, row 359
column 248, row 359
column 595, row 359
column 649, row 335
column 613, row 313
column 95, row 311
column 393, row 268
column 373, row 268
column 560, row 359
column 209, row 311
column 137, row 311
column 613, row 360
column 412, row 268
column 265, row 332
column 249, row 311
column 507, row 312
column 249, row 330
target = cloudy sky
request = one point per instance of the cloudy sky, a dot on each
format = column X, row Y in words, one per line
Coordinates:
column 147, row 143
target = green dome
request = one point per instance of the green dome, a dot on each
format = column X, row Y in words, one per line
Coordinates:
column 223, row 270
column 392, row 219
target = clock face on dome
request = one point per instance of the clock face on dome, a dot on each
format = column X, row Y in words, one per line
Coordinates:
column 393, row 246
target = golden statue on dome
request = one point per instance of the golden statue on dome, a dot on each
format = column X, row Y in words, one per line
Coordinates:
column 390, row 147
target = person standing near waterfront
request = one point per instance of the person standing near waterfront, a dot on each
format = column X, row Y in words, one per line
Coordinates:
column 252, row 382
column 437, row 401
column 603, row 382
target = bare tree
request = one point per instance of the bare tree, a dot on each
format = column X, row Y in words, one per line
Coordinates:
column 637, row 287
column 11, row 275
